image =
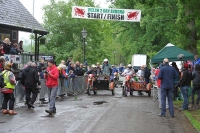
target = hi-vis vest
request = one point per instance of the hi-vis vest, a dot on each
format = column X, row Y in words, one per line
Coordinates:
column 7, row 80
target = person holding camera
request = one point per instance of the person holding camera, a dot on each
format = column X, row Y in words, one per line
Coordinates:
column 51, row 75
column 30, row 80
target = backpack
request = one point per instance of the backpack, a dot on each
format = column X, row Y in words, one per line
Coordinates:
column 2, row 84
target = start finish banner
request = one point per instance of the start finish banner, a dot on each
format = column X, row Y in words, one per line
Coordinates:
column 129, row 15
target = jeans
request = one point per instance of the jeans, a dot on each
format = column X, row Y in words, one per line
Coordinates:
column 194, row 90
column 52, row 92
column 159, row 100
column 184, row 91
column 8, row 97
column 167, row 93
column 30, row 99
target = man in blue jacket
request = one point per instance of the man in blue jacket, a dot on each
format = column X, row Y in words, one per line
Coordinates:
column 167, row 75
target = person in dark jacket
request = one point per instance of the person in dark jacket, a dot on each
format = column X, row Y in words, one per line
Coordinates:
column 167, row 75
column 13, row 50
column 147, row 74
column 185, row 85
column 196, row 85
column 175, row 92
column 29, row 80
column 71, row 67
column 79, row 71
column 6, row 46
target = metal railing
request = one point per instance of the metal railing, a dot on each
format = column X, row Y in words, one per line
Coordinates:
column 68, row 86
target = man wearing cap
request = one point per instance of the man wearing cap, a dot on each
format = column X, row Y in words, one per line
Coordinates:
column 51, row 75
column 167, row 75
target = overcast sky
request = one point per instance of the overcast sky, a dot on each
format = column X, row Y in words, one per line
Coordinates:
column 38, row 12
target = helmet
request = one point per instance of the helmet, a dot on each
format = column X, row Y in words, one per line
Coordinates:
column 93, row 66
column 129, row 66
column 105, row 60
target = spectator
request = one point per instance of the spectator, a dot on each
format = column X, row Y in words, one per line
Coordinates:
column 63, row 62
column 79, row 71
column 68, row 61
column 71, row 74
column 185, row 85
column 83, row 68
column 14, row 50
column 41, row 64
column 175, row 92
column 71, row 67
column 195, row 61
column 6, row 46
column 196, row 85
column 29, row 80
column 147, row 74
column 2, row 61
column 62, row 73
column 20, row 47
column 51, row 76
column 167, row 75
column 1, row 49
column 159, row 90
column 9, row 80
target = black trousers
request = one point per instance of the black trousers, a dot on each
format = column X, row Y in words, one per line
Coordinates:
column 194, row 90
column 8, row 97
column 30, row 99
column 175, row 92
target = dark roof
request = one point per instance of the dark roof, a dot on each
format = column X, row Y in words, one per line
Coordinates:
column 15, row 16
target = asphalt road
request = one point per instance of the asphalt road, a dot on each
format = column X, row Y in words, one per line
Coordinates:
column 79, row 114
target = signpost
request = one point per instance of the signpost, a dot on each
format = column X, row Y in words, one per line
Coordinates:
column 129, row 15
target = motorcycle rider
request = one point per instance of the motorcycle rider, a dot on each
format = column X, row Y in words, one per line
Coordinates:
column 93, row 70
column 121, row 68
column 128, row 71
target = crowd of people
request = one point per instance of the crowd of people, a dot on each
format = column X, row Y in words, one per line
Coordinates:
column 169, row 79
column 7, row 48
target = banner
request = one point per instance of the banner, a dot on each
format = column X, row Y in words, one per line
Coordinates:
column 12, row 58
column 129, row 15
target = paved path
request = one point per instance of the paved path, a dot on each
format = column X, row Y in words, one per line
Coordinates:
column 136, row 114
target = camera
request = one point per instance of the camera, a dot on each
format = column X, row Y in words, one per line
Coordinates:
column 45, row 71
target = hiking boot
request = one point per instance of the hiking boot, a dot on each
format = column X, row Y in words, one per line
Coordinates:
column 12, row 112
column 30, row 105
column 49, row 111
column 5, row 111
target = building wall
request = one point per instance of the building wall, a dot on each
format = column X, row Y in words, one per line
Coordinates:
column 9, row 33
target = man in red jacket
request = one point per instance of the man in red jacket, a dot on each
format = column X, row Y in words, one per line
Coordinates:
column 51, row 75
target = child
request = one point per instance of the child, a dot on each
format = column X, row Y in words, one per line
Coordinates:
column 71, row 74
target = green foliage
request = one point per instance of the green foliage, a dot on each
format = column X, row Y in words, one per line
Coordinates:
column 162, row 22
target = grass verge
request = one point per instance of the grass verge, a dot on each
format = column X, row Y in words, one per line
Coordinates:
column 192, row 114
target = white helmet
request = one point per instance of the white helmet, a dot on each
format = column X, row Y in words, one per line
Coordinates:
column 93, row 66
column 105, row 60
column 129, row 65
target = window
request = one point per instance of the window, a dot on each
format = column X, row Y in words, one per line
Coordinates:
column 14, row 35
column 3, row 36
